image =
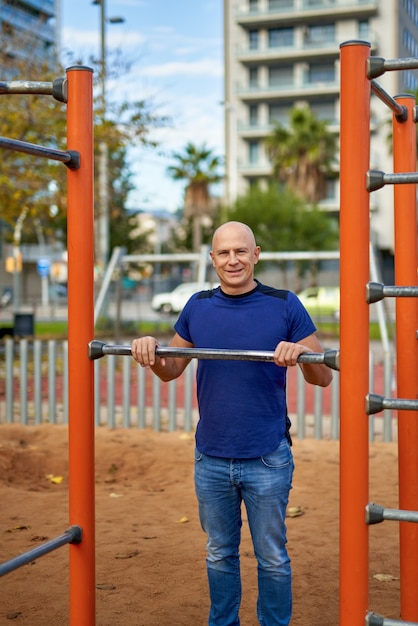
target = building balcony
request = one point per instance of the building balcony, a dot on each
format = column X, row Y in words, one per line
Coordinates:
column 287, row 91
column 260, row 131
column 326, row 49
column 253, row 169
column 311, row 10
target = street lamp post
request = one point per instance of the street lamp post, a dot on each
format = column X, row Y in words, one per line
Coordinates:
column 103, row 220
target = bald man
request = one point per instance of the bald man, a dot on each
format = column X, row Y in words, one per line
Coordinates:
column 243, row 446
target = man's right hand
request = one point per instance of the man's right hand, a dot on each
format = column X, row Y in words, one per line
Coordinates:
column 143, row 351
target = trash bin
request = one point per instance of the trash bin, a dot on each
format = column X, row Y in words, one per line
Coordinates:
column 24, row 325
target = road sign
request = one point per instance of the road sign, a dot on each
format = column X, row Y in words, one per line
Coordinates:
column 43, row 266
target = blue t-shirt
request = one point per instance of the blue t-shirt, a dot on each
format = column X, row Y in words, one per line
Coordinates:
column 242, row 404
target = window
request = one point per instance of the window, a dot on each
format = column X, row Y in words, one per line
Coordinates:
column 253, row 6
column 253, row 77
column 281, row 76
column 324, row 110
column 278, row 113
column 363, row 29
column 322, row 73
column 320, row 34
column 281, row 5
column 253, row 39
column 279, row 37
column 253, row 114
column 253, row 152
column 319, row 3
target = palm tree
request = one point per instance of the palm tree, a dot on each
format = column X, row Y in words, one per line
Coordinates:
column 303, row 153
column 199, row 167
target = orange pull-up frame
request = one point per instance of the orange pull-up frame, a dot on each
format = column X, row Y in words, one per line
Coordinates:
column 406, row 266
column 354, row 331
column 354, row 343
column 80, row 331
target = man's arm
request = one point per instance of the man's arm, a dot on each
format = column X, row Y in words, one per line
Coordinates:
column 286, row 354
column 143, row 351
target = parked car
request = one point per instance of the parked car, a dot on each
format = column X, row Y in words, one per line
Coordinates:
column 321, row 301
column 174, row 301
column 58, row 292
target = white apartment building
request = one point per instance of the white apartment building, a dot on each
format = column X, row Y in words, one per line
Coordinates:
column 282, row 52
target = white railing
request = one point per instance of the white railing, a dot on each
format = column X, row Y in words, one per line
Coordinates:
column 34, row 391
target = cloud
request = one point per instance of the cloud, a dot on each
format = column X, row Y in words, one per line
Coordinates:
column 202, row 67
column 73, row 38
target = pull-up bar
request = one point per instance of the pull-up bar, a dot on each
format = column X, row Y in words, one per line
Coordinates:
column 376, row 179
column 98, row 349
column 57, row 89
column 378, row 291
column 374, row 619
column 71, row 158
column 71, row 535
column 376, row 66
column 399, row 110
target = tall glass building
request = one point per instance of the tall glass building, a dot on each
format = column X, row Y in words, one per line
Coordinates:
column 34, row 24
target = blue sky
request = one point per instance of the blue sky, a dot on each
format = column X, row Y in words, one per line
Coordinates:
column 177, row 53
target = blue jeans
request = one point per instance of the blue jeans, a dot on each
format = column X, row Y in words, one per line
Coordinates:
column 264, row 484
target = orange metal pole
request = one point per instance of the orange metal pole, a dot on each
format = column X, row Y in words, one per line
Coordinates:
column 406, row 263
column 80, row 332
column 354, row 331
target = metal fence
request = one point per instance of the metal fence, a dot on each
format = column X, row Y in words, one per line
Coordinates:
column 34, row 390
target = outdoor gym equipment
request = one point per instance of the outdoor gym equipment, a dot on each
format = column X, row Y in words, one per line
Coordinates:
column 98, row 349
column 76, row 90
column 357, row 182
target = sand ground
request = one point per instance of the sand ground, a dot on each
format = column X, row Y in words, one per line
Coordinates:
column 150, row 549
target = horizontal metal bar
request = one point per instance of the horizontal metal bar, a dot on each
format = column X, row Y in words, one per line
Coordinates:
column 373, row 619
column 71, row 158
column 399, row 110
column 378, row 291
column 264, row 256
column 376, row 66
column 376, row 179
column 376, row 403
column 97, row 349
column 375, row 513
column 56, row 88
column 71, row 535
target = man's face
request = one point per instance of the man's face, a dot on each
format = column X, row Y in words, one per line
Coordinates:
column 234, row 254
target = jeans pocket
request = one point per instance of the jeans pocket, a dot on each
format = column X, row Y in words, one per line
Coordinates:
column 280, row 457
column 197, row 455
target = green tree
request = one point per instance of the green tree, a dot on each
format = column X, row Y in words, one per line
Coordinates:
column 303, row 153
column 281, row 222
column 199, row 167
column 37, row 186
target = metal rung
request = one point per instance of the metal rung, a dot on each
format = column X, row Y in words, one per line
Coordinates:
column 57, row 89
column 376, row 66
column 376, row 179
column 400, row 111
column 97, row 349
column 376, row 514
column 373, row 619
column 71, row 158
column 376, row 403
column 378, row 291
column 71, row 535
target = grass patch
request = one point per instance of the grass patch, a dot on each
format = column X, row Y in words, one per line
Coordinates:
column 164, row 328
column 331, row 330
